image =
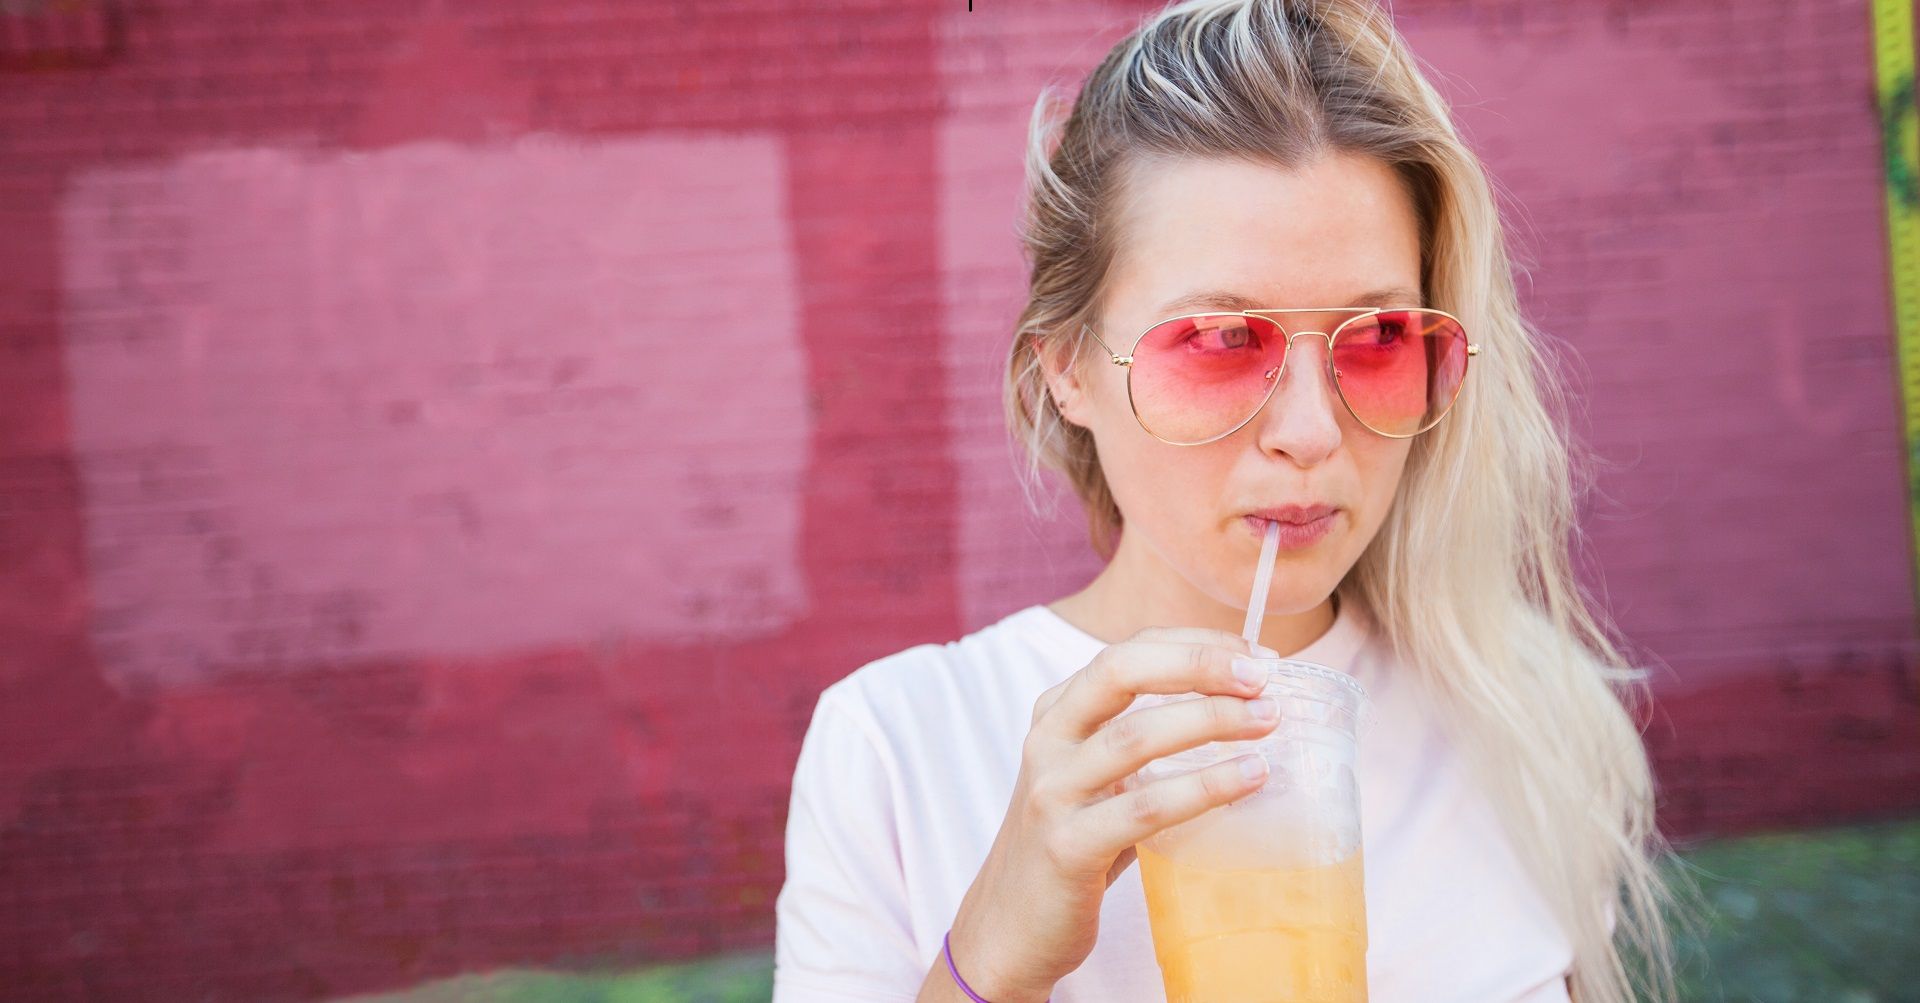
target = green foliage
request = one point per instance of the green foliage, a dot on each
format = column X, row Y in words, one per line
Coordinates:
column 1829, row 916
column 736, row 978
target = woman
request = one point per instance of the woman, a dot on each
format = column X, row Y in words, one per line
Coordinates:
column 961, row 826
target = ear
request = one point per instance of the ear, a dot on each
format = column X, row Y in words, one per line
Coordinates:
column 1065, row 376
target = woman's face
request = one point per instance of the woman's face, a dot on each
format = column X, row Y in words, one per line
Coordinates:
column 1327, row 236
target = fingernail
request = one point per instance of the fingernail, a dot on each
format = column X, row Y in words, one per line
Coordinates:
column 1264, row 709
column 1265, row 652
column 1253, row 767
column 1249, row 672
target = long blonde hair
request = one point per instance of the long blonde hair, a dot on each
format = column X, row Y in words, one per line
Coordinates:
column 1474, row 583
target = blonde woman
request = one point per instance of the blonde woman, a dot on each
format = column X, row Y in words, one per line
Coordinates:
column 1268, row 284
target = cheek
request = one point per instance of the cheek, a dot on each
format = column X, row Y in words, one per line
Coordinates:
column 1170, row 492
column 1381, row 471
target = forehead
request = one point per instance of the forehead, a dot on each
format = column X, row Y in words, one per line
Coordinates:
column 1201, row 234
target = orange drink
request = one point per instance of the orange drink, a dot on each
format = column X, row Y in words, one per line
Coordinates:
column 1262, row 900
column 1227, row 932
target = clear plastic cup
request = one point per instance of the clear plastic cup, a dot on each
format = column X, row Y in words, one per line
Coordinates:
column 1261, row 900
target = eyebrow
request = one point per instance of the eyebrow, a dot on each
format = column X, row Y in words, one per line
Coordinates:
column 1228, row 300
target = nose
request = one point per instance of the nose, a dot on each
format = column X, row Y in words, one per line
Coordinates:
column 1300, row 417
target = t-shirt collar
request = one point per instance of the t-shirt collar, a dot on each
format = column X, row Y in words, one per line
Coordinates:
column 1337, row 648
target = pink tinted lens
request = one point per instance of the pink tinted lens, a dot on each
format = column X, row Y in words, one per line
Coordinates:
column 1197, row 378
column 1400, row 370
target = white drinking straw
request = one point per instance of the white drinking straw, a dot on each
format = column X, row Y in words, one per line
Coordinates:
column 1262, row 576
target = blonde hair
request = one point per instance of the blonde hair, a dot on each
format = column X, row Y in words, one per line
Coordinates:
column 1474, row 584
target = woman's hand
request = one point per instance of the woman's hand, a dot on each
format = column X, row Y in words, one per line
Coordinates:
column 1033, row 911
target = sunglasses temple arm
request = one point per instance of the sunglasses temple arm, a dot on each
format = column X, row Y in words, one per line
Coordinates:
column 1099, row 340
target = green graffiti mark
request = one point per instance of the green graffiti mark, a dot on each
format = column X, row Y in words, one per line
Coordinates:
column 1896, row 109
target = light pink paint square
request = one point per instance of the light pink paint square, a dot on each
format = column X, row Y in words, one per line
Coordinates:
column 435, row 399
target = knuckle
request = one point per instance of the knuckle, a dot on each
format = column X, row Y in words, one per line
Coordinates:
column 1046, row 793
column 1041, row 703
column 1224, row 714
column 1037, row 801
column 1201, row 660
column 1218, row 784
column 1125, row 736
column 1095, row 674
column 1062, row 847
column 1104, row 672
column 1145, row 807
column 1030, row 754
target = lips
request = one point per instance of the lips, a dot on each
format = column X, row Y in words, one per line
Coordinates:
column 1294, row 514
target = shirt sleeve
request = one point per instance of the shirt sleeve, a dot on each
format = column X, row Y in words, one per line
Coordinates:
column 842, row 927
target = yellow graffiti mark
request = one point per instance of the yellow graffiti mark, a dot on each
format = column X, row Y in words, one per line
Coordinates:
column 1893, row 70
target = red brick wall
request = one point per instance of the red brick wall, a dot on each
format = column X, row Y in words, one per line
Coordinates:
column 384, row 592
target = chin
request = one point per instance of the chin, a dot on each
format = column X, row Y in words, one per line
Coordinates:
column 1300, row 582
column 1300, row 601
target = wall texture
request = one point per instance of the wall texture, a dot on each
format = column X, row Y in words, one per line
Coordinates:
column 446, row 448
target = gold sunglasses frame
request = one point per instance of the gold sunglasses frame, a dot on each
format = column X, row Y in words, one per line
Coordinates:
column 1126, row 362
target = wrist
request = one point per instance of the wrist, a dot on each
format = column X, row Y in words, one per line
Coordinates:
column 975, row 962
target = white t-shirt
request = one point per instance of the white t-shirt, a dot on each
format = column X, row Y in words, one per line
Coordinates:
column 907, row 768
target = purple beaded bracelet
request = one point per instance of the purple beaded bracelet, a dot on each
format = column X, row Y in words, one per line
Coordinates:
column 957, row 980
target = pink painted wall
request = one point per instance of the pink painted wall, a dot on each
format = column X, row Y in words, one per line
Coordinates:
column 445, row 449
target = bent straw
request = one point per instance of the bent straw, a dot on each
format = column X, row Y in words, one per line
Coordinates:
column 1262, row 576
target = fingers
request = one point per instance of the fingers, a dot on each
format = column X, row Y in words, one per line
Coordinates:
column 1133, row 816
column 1072, row 751
column 1131, row 740
column 1120, row 865
column 1046, row 699
column 1156, row 660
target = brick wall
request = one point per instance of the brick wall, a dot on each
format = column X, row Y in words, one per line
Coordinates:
column 382, row 594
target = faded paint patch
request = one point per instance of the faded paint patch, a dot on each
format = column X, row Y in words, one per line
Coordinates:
column 434, row 400
column 1012, row 551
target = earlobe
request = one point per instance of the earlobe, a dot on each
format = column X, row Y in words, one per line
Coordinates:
column 1061, row 382
column 1054, row 405
column 1064, row 402
column 1057, row 400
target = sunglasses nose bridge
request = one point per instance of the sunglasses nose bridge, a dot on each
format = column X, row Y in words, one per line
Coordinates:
column 1272, row 375
column 1287, row 352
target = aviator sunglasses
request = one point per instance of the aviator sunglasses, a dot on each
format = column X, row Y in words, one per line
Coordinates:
column 1200, row 377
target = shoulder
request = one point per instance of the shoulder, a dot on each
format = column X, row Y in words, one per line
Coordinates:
column 1008, row 661
column 957, row 710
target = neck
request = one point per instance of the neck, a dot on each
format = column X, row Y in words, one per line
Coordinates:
column 1137, row 590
